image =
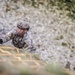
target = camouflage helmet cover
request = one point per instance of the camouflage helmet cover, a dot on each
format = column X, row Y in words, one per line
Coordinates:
column 23, row 25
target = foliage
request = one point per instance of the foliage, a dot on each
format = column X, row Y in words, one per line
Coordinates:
column 67, row 5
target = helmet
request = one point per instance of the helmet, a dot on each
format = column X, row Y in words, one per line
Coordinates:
column 23, row 25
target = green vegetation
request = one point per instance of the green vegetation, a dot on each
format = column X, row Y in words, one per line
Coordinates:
column 49, row 69
column 36, row 56
column 56, row 70
column 64, row 44
column 66, row 5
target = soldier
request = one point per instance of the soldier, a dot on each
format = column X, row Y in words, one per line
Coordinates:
column 20, row 37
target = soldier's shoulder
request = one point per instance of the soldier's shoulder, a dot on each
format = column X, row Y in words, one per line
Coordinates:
column 13, row 31
column 29, row 33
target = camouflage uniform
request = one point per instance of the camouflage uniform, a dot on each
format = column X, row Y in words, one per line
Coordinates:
column 20, row 41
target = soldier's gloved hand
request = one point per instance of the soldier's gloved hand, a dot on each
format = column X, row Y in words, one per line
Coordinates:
column 1, row 41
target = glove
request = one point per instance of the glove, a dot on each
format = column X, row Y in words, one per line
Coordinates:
column 1, row 41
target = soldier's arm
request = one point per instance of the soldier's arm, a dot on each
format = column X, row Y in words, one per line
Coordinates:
column 7, row 37
column 29, row 41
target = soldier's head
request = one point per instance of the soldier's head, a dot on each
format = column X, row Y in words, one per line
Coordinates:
column 23, row 27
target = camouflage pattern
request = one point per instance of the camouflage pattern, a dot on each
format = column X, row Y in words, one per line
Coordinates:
column 19, row 41
column 23, row 25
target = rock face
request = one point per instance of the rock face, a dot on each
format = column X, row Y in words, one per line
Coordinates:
column 52, row 31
